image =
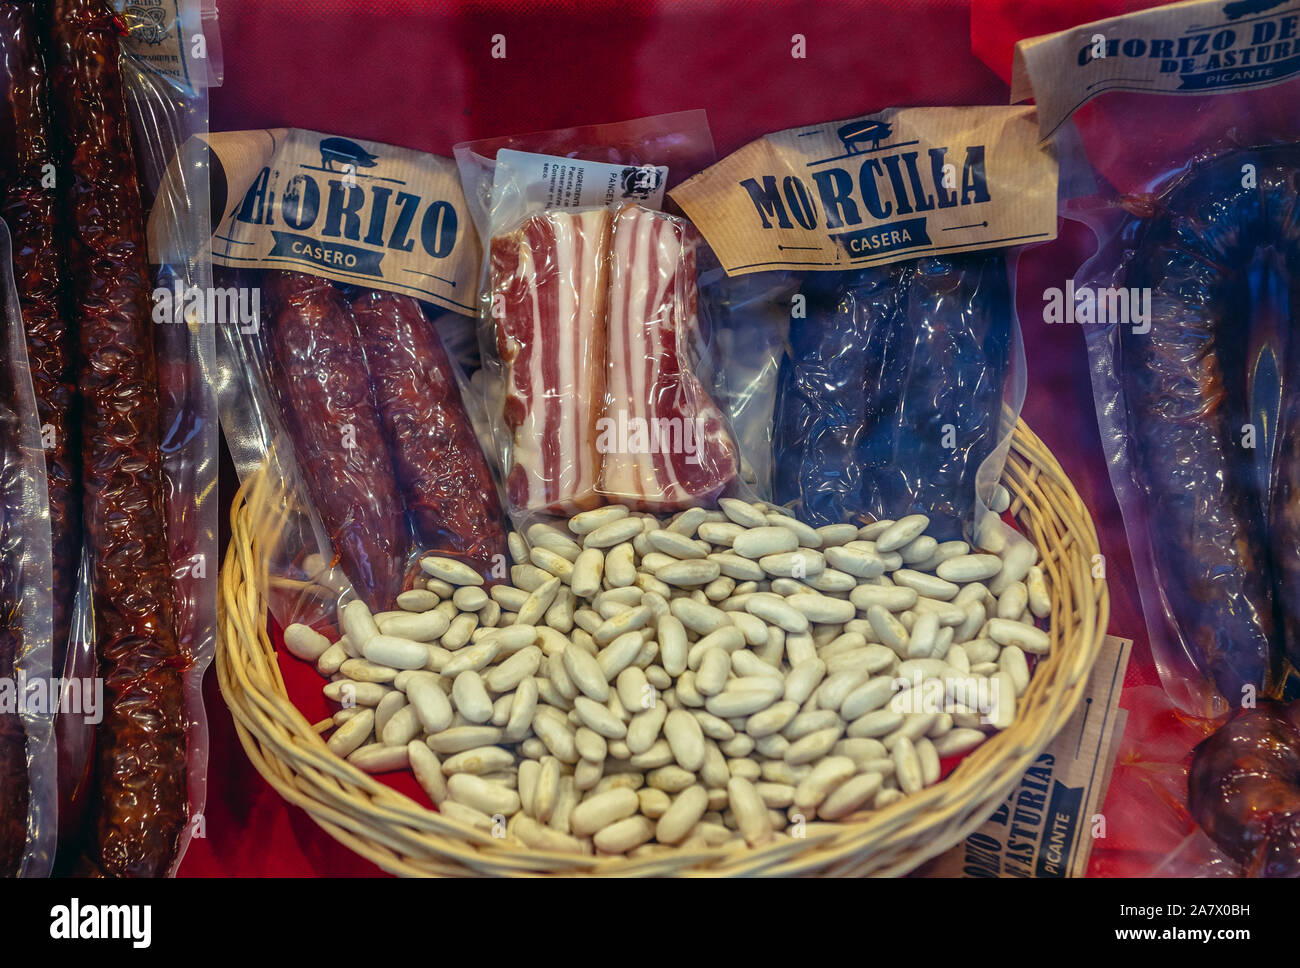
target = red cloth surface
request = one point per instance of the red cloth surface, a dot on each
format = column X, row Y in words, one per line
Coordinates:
column 422, row 75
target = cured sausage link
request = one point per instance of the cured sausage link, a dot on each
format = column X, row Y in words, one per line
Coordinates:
column 444, row 478
column 1206, row 520
column 140, row 803
column 30, row 208
column 329, row 411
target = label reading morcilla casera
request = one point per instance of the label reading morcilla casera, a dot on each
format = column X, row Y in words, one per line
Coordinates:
column 881, row 188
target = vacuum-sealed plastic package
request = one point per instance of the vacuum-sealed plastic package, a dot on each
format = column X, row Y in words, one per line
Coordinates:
column 28, row 760
column 339, row 400
column 125, row 413
column 863, row 258
column 1188, row 307
column 598, row 369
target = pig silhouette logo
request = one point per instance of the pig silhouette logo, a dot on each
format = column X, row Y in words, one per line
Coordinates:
column 640, row 182
column 344, row 152
column 857, row 133
column 1239, row 9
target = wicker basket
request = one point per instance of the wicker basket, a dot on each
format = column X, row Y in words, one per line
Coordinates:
column 406, row 838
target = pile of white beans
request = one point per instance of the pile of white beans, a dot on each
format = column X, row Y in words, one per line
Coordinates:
column 713, row 679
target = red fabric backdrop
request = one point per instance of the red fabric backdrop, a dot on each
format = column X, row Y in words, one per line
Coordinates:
column 422, row 74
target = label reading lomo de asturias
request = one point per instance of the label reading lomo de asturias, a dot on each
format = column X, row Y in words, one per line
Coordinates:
column 871, row 190
column 349, row 210
column 1197, row 47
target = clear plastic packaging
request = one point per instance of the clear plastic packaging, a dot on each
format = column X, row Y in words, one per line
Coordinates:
column 598, row 371
column 867, row 385
column 342, row 407
column 140, row 624
column 28, row 759
column 1187, row 308
column 1189, row 304
column 893, row 392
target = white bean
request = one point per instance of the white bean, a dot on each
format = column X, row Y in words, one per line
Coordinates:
column 1011, row 632
column 451, row 571
column 305, row 642
column 1040, row 603
column 490, row 798
column 749, row 811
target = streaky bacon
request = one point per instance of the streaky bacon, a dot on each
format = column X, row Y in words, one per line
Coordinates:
column 549, row 280
column 685, row 456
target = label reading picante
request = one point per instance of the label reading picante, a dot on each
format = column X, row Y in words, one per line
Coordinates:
column 1048, row 822
column 168, row 37
column 1198, row 47
column 349, row 210
column 881, row 188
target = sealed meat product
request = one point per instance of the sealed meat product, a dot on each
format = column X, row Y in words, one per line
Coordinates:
column 663, row 441
column 820, row 415
column 444, row 479
column 889, row 399
column 30, row 207
column 1192, row 190
column 338, row 437
column 935, row 413
column 1185, row 393
column 897, row 367
column 346, row 416
column 549, row 284
column 140, row 803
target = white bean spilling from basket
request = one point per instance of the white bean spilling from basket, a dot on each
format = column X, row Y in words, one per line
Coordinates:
column 713, row 679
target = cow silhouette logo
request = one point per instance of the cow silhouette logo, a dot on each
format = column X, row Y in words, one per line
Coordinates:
column 857, row 133
column 640, row 182
column 145, row 24
column 347, row 153
column 1239, row 8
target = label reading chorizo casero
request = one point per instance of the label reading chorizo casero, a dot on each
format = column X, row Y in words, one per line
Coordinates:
column 1197, row 47
column 348, row 210
column 877, row 189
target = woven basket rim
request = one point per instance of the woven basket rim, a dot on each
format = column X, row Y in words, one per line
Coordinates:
column 406, row 838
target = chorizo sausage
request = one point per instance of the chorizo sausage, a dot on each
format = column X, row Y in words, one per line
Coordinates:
column 1186, row 400
column 140, row 803
column 30, row 208
column 319, row 370
column 444, row 478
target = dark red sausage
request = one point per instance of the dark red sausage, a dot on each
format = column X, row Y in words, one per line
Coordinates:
column 444, row 478
column 140, row 803
column 30, row 208
column 329, row 411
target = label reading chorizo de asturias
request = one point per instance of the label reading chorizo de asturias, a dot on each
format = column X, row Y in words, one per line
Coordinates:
column 867, row 191
column 1197, row 47
column 348, row 210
